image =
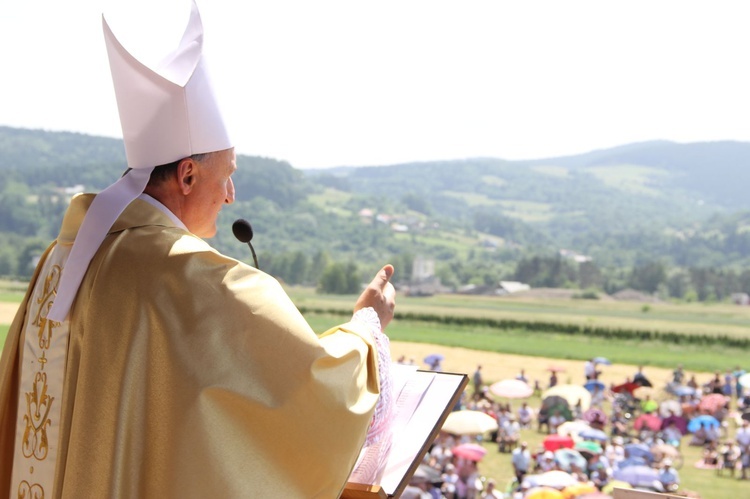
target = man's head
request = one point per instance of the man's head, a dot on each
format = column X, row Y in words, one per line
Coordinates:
column 196, row 188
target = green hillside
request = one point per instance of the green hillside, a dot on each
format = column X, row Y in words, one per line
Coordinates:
column 657, row 216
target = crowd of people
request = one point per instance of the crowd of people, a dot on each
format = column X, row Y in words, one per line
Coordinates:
column 628, row 435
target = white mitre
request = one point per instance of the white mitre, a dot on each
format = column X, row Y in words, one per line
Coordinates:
column 166, row 115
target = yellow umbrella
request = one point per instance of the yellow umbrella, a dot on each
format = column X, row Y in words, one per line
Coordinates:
column 543, row 493
column 578, row 489
column 469, row 423
column 571, row 393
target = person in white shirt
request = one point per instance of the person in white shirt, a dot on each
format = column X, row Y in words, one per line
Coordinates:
column 521, row 460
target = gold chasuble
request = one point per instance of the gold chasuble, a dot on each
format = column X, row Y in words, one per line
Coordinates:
column 186, row 374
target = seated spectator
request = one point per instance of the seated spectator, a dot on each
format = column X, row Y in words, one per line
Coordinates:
column 699, row 437
column 729, row 454
column 510, row 434
column 525, row 415
column 554, row 421
column 672, row 435
column 669, row 477
column 546, row 462
column 710, row 455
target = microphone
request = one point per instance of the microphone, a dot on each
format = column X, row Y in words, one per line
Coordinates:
column 243, row 231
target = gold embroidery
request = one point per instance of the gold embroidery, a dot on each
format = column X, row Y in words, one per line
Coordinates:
column 35, row 442
column 34, row 491
column 38, row 404
column 45, row 304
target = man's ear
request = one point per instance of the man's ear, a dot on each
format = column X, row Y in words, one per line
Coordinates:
column 187, row 171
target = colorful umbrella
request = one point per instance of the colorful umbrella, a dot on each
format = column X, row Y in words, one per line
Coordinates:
column 665, row 450
column 680, row 422
column 434, row 357
column 554, row 442
column 594, row 384
column 470, row 451
column 639, row 450
column 555, row 403
column 543, row 493
column 704, row 420
column 567, row 458
column 625, row 387
column 684, row 391
column 670, row 407
column 637, row 476
column 578, row 489
column 556, row 479
column 650, row 421
column 571, row 393
column 469, row 423
column 572, row 428
column 594, row 414
column 593, row 434
column 589, row 447
column 602, row 360
column 712, row 402
column 512, row 389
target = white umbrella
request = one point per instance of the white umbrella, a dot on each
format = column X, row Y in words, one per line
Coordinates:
column 512, row 389
column 469, row 423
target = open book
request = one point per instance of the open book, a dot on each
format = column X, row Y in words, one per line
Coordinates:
column 423, row 400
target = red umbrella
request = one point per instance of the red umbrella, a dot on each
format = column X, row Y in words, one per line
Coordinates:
column 472, row 452
column 554, row 442
column 650, row 421
column 556, row 369
column 712, row 403
column 626, row 387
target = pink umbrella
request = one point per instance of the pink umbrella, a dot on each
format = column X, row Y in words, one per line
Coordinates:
column 472, row 452
column 512, row 389
column 650, row 421
column 712, row 403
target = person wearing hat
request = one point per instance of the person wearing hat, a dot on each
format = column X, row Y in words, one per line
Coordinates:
column 669, row 477
column 143, row 363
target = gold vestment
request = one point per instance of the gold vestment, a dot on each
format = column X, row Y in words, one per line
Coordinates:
column 190, row 374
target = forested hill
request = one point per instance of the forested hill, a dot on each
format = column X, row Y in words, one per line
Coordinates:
column 677, row 206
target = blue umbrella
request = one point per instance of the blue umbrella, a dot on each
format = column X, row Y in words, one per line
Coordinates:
column 602, row 360
column 433, row 357
column 639, row 450
column 593, row 434
column 568, row 457
column 632, row 461
column 705, row 420
column 638, row 476
column 593, row 384
column 684, row 391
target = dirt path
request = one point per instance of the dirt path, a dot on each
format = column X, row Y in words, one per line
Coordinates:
column 496, row 366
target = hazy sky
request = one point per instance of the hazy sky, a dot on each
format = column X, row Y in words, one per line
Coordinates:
column 328, row 83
